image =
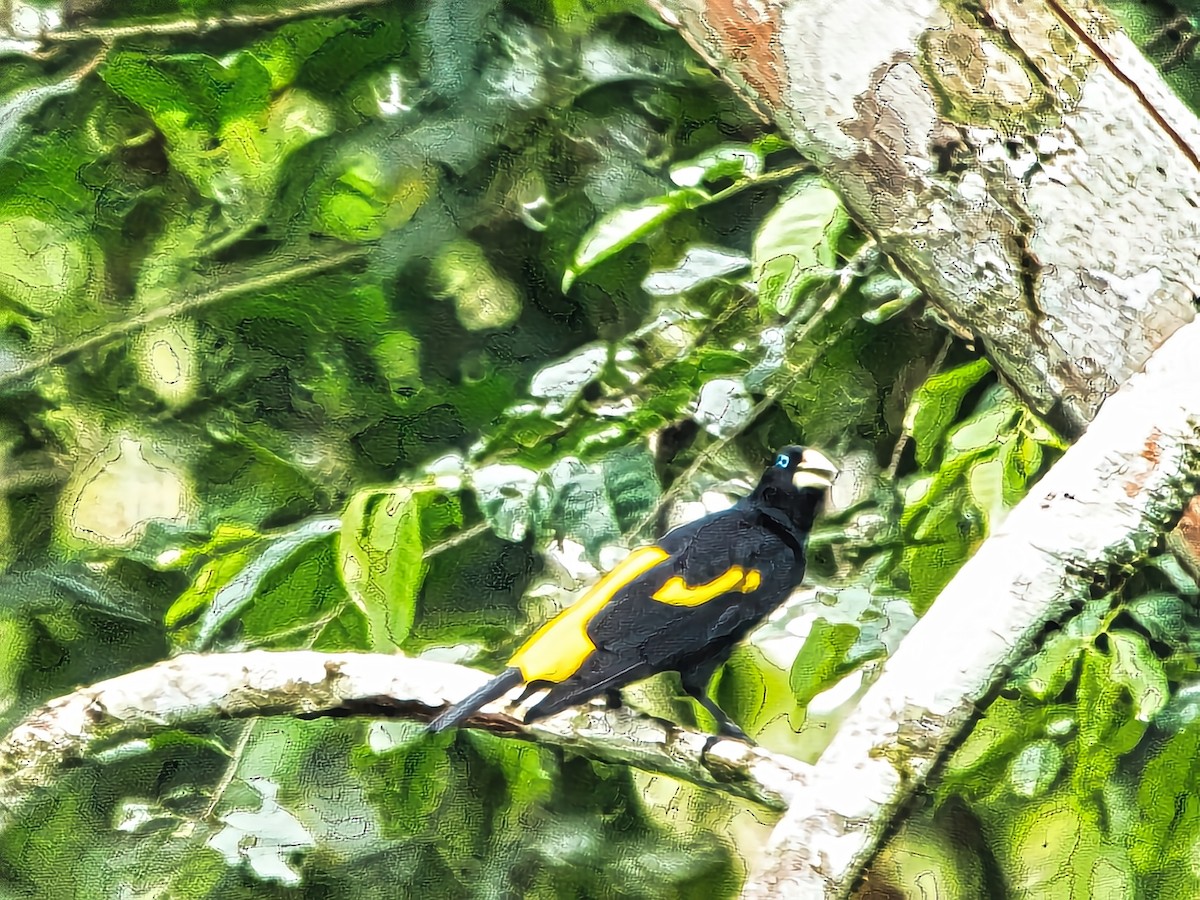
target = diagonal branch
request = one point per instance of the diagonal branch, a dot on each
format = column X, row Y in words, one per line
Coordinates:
column 1103, row 505
column 16, row 26
column 260, row 281
column 198, row 688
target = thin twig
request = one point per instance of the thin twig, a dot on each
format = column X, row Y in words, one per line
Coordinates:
column 235, row 759
column 454, row 540
column 110, row 34
column 183, row 307
column 758, row 181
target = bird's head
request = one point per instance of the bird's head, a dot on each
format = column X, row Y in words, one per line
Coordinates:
column 796, row 483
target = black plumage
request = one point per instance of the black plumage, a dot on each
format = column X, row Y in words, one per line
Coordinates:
column 680, row 604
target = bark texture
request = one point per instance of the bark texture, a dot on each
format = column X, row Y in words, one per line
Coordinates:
column 198, row 688
column 1020, row 161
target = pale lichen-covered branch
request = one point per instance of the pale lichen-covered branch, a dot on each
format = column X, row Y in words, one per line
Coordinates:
column 1103, row 505
column 28, row 28
column 1019, row 161
column 198, row 688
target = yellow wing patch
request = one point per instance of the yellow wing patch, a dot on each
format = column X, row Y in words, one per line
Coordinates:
column 556, row 650
column 677, row 592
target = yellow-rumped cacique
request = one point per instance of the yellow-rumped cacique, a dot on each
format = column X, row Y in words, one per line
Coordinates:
column 680, row 604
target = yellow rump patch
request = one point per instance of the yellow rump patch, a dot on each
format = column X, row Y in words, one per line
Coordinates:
column 556, row 650
column 677, row 592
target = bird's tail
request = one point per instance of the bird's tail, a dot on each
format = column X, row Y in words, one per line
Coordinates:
column 572, row 694
column 498, row 686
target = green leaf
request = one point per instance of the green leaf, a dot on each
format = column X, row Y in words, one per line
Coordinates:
column 1168, row 804
column 735, row 161
column 889, row 309
column 627, row 225
column 560, row 383
column 180, row 93
column 1181, row 711
column 42, row 266
column 1040, row 432
column 935, row 405
column 189, row 96
column 796, row 244
column 1098, row 708
column 945, row 490
column 1164, row 616
column 996, row 415
column 17, row 640
column 1055, row 849
column 267, row 838
column 1047, row 673
column 406, row 785
column 975, row 768
column 225, row 130
column 208, row 581
column 821, row 662
column 1137, row 669
column 511, row 499
column 753, row 690
column 985, row 481
column 381, row 563
column 239, row 591
column 371, row 197
column 699, row 265
column 483, row 298
column 839, row 394
column 632, row 484
column 1034, row 769
column 284, row 51
column 1021, row 457
column 1178, row 577
column 398, row 355
column 1106, row 729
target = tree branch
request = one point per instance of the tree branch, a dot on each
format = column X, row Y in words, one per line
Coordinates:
column 131, row 324
column 1103, row 505
column 197, row 688
column 33, row 26
column 1019, row 161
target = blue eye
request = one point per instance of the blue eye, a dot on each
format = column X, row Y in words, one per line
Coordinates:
column 783, row 461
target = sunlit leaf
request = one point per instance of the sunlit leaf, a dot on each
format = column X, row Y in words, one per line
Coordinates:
column 821, row 662
column 795, row 246
column 627, row 225
column 1047, row 672
column 699, row 265
column 935, row 405
column 1137, row 669
column 1034, row 769
column 239, row 590
column 725, row 161
column 380, row 554
column 561, row 382
column 1057, row 850
column 1021, row 458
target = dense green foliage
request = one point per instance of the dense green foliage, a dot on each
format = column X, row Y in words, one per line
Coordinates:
column 384, row 330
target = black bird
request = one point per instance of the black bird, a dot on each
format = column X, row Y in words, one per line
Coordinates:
column 680, row 604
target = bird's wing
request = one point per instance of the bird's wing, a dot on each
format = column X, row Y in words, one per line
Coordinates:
column 696, row 597
column 557, row 650
column 691, row 604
